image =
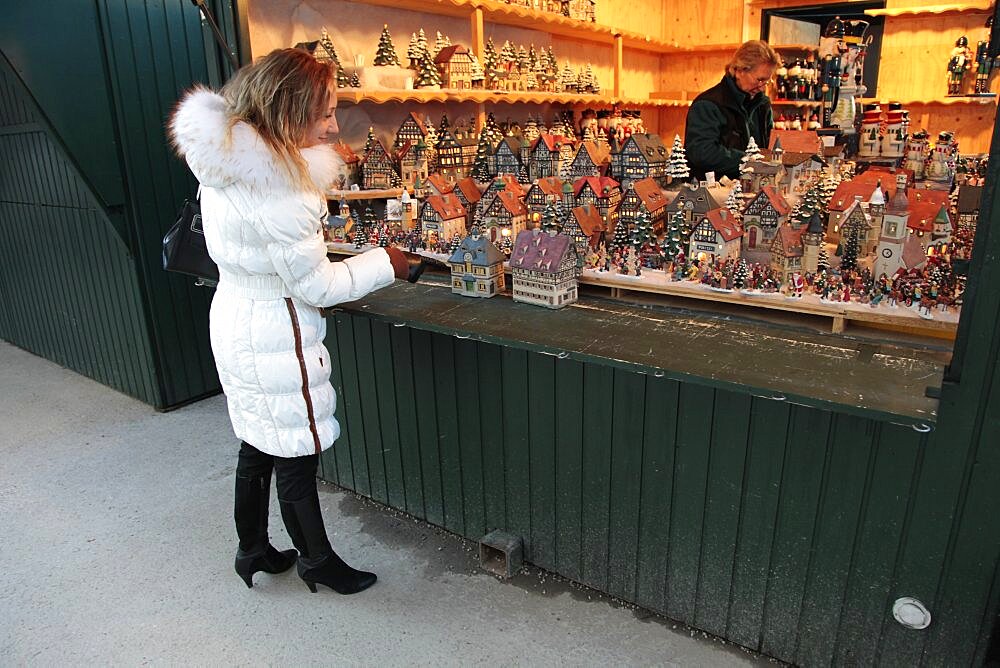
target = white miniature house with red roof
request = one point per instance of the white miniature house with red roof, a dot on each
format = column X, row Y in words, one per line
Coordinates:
column 544, row 269
column 717, row 236
column 441, row 218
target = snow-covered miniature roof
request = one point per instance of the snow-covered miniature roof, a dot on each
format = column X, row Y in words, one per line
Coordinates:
column 539, row 251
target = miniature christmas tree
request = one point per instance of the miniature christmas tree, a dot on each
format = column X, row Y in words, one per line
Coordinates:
column 741, row 274
column 490, row 62
column 492, row 131
column 589, row 134
column 456, row 243
column 849, row 260
column 444, row 126
column 476, row 74
column 567, row 81
column 823, row 261
column 677, row 167
column 384, row 237
column 507, row 246
column 355, row 81
column 481, row 167
column 530, row 80
column 672, row 239
column 421, row 47
column 643, row 232
column 370, row 140
column 440, row 43
column 523, row 61
column 413, row 51
column 431, row 138
column 752, row 154
column 590, row 80
column 385, row 54
column 621, row 238
column 549, row 220
column 343, row 80
column 530, row 132
column 428, row 74
column 532, row 57
column 734, row 203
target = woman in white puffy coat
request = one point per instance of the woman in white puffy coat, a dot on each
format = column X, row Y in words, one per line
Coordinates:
column 258, row 149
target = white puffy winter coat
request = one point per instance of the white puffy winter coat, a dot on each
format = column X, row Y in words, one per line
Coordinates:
column 265, row 234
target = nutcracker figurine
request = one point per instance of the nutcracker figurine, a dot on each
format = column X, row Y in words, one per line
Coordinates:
column 961, row 60
column 852, row 68
column 984, row 64
column 831, row 49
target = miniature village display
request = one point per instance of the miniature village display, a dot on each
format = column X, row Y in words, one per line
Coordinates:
column 807, row 232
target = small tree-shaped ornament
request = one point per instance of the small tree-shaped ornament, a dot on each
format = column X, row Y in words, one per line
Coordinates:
column 507, row 246
column 550, row 218
column 567, row 81
column 753, row 152
column 672, row 238
column 490, row 63
column 492, row 131
column 385, row 54
column 677, row 167
column 481, row 167
column 343, row 80
column 621, row 238
column 355, row 81
column 428, row 75
column 413, row 51
column 741, row 274
column 508, row 56
column 384, row 237
column 456, row 243
column 476, row 74
column 444, row 126
column 523, row 59
column 440, row 42
column 643, row 232
column 369, row 140
column 849, row 259
column 734, row 203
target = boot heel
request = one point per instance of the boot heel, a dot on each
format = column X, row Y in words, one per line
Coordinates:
column 312, row 586
column 245, row 570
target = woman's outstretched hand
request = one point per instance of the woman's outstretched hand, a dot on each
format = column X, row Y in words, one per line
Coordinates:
column 406, row 266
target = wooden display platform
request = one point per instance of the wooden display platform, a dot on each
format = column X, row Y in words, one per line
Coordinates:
column 423, row 96
column 941, row 325
column 935, row 10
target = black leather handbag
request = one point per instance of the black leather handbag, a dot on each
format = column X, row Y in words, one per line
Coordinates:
column 184, row 247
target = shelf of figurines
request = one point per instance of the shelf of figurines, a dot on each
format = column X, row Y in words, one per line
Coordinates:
column 934, row 10
column 517, row 16
column 840, row 304
column 481, row 96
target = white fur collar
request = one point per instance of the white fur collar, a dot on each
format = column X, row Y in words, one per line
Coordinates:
column 198, row 130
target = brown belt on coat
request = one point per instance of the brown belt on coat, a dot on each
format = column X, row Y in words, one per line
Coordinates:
column 305, row 375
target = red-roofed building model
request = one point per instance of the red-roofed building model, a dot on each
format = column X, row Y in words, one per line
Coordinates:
column 506, row 215
column 544, row 269
column 441, row 218
column 716, row 237
column 762, row 217
column 455, row 63
column 787, row 252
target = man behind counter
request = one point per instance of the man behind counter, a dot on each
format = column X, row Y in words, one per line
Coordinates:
column 723, row 118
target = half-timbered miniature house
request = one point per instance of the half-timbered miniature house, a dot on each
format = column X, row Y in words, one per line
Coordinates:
column 762, row 174
column 506, row 159
column 787, row 252
column 469, row 195
column 450, row 157
column 352, row 163
column 762, row 216
column 592, row 226
column 799, row 170
column 693, row 203
column 843, row 200
column 858, row 223
column 441, row 218
column 544, row 156
column 379, row 168
column 716, row 236
column 505, row 215
column 412, row 160
column 542, row 191
column 592, row 159
column 436, row 184
column 412, row 129
column 544, row 269
column 603, row 192
column 455, row 64
column 643, row 156
column 477, row 267
column 969, row 198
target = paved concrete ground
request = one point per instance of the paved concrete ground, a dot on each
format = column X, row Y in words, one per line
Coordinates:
column 118, row 545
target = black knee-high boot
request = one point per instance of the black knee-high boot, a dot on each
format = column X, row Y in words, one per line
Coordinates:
column 318, row 563
column 252, row 497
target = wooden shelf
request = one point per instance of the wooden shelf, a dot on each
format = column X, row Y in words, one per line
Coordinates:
column 940, row 101
column 796, row 103
column 357, row 96
column 932, row 10
column 354, row 195
column 795, row 47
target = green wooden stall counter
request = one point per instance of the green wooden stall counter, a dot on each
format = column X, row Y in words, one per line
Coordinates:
column 745, row 479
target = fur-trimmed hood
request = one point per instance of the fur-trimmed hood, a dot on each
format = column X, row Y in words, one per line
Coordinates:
column 198, row 130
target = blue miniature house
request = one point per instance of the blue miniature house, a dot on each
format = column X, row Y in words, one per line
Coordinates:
column 477, row 267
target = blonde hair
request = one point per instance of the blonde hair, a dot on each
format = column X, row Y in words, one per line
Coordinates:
column 751, row 54
column 281, row 95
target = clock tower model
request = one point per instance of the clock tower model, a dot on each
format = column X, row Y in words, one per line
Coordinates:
column 812, row 239
column 889, row 256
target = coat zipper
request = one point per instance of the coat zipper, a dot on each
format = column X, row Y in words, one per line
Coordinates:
column 305, row 375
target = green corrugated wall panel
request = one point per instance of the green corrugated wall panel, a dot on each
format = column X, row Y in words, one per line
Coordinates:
column 69, row 292
column 781, row 527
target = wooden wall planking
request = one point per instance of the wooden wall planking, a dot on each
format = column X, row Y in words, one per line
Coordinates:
column 692, row 73
column 696, row 23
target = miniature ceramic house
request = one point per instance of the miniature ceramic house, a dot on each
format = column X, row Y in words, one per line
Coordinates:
column 477, row 267
column 412, row 129
column 762, row 216
column 352, row 163
column 441, row 218
column 379, row 169
column 592, row 159
column 469, row 195
column 541, row 192
column 506, row 159
column 693, row 203
column 455, row 64
column 605, row 193
column 591, row 224
column 716, row 236
column 787, row 252
column 412, row 160
column 437, row 184
column 544, row 269
column 644, row 195
column 456, row 154
column 506, row 215
column 857, row 224
column 545, row 156
column 969, row 198
column 642, row 156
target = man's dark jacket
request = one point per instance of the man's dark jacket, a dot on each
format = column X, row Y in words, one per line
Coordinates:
column 719, row 126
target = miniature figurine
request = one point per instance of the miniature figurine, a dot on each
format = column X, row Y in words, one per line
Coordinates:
column 984, row 64
column 960, row 61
